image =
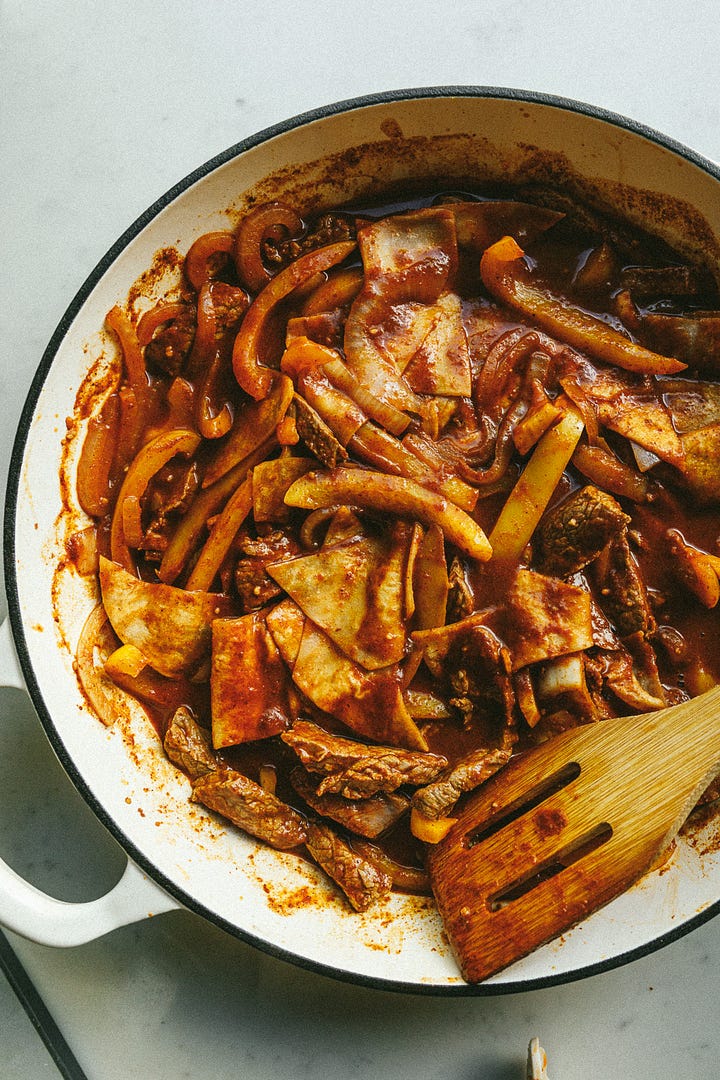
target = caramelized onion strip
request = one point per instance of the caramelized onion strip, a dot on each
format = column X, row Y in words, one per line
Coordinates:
column 151, row 320
column 133, row 358
column 221, row 536
column 271, row 221
column 205, row 248
column 206, row 503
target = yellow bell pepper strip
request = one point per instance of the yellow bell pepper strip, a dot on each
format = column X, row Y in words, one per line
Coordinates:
column 339, row 290
column 533, row 490
column 253, row 376
column 208, row 502
column 428, row 830
column 149, row 460
column 95, row 465
column 506, row 278
column 221, row 537
column 390, row 494
column 253, row 425
column 697, row 569
column 302, row 354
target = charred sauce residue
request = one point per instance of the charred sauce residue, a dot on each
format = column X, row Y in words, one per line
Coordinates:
column 549, row 822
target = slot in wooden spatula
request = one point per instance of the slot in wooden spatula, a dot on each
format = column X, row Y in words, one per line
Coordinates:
column 567, row 826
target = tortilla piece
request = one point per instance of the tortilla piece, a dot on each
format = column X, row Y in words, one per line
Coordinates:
column 544, row 617
column 286, row 622
column 441, row 363
column 410, row 256
column 409, row 262
column 354, row 591
column 248, row 682
column 369, row 703
column 169, row 626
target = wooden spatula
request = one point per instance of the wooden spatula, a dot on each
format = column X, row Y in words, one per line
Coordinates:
column 567, row 826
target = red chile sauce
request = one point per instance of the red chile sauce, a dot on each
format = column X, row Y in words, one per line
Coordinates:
column 558, row 256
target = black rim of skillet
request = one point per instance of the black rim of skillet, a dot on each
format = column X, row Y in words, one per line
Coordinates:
column 15, row 469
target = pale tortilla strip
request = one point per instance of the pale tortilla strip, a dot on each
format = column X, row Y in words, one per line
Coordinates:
column 169, row 626
column 369, row 703
column 354, row 591
column 248, row 682
column 441, row 364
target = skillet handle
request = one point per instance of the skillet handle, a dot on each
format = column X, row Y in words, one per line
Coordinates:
column 33, row 914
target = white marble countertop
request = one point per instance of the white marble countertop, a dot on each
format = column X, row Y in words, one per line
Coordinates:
column 102, row 108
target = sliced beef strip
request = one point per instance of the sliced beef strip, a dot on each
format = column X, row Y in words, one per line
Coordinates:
column 437, row 800
column 254, row 585
column 621, row 591
column 460, row 602
column 251, row 808
column 171, row 347
column 356, row 770
column 188, row 745
column 481, row 685
column 367, row 817
column 618, row 674
column 316, row 435
column 363, row 882
column 575, row 532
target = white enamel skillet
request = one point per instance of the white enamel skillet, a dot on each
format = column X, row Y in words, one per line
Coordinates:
column 178, row 854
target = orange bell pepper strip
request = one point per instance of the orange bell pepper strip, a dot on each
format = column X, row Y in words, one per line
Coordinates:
column 506, row 277
column 253, row 376
column 221, row 537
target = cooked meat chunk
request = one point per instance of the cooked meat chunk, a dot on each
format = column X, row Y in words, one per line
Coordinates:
column 621, row 591
column 367, row 817
column 436, row 800
column 476, row 665
column 230, row 305
column 317, row 436
column 361, row 881
column 460, row 602
column 170, row 493
column 330, row 229
column 188, row 745
column 171, row 347
column 650, row 282
column 356, row 770
column 573, row 534
column 254, row 585
column 251, row 807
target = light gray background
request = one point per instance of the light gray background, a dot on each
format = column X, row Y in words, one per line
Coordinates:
column 103, row 106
